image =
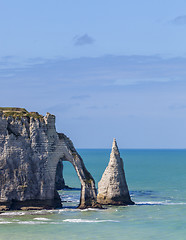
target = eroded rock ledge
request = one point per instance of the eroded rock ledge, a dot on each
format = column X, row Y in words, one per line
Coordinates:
column 30, row 151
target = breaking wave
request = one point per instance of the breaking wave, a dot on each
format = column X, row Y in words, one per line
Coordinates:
column 160, row 203
column 87, row 221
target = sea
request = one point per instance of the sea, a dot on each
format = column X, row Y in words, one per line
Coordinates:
column 157, row 184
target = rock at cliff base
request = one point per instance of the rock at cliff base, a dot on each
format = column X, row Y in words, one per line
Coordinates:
column 112, row 188
column 59, row 180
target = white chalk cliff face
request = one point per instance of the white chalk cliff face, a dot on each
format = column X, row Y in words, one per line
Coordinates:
column 112, row 188
column 30, row 150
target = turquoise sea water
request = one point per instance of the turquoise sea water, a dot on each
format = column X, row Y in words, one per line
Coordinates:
column 157, row 183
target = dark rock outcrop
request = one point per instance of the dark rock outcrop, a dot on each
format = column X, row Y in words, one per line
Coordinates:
column 30, row 152
column 59, row 180
column 112, row 188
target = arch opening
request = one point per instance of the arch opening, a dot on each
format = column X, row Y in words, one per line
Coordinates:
column 67, row 184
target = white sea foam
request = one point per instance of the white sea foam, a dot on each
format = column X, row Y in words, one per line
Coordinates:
column 37, row 212
column 160, row 203
column 31, row 222
column 181, row 203
column 15, row 221
column 40, row 212
column 5, row 222
column 68, row 210
column 42, row 219
column 91, row 209
column 87, row 221
column 55, row 223
column 13, row 213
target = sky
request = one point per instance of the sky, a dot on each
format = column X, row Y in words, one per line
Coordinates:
column 106, row 69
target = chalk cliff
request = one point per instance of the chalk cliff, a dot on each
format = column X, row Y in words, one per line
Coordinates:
column 30, row 154
column 112, row 188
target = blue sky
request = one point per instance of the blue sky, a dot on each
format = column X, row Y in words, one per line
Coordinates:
column 104, row 68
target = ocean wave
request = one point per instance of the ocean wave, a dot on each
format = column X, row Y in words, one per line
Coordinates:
column 16, row 213
column 92, row 209
column 87, row 221
column 37, row 222
column 42, row 219
column 68, row 210
column 13, row 213
column 72, row 198
column 5, row 222
column 142, row 193
column 31, row 222
column 39, row 212
column 160, row 203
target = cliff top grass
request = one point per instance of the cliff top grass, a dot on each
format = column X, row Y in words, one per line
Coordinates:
column 19, row 112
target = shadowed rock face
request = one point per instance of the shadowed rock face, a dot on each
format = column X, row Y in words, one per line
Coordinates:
column 30, row 152
column 112, row 188
column 59, row 180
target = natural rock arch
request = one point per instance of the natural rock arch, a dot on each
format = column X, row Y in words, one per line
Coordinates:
column 30, row 149
column 67, row 152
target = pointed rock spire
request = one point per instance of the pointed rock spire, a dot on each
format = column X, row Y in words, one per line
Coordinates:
column 112, row 188
column 115, row 155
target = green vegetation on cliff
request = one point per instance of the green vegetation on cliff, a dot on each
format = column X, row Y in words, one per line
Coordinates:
column 19, row 112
